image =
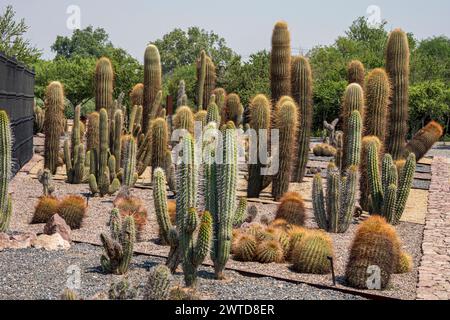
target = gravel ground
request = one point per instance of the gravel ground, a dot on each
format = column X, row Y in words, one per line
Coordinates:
column 37, row 274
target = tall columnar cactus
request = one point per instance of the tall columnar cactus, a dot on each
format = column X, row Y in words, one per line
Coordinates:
column 104, row 85
column 206, row 80
column 287, row 124
column 92, row 135
column 74, row 155
column 116, row 138
column 159, row 138
column 53, row 124
column 137, row 95
column 210, row 80
column 301, row 84
column 364, row 178
column 181, row 94
column 234, row 109
column 201, row 116
column 334, row 212
column 356, row 73
column 39, row 118
column 152, row 82
column 375, row 248
column 101, row 161
column 397, row 67
column 129, row 176
column 280, row 62
column 221, row 98
column 389, row 190
column 184, row 119
column 378, row 92
column 353, row 142
column 260, row 117
column 119, row 246
column 220, row 198
column 213, row 113
column 135, row 121
column 424, row 140
column 5, row 171
column 353, row 100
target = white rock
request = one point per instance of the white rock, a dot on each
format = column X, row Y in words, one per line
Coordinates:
column 51, row 242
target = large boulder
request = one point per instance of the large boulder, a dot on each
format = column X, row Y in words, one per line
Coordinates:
column 16, row 240
column 51, row 242
column 56, row 224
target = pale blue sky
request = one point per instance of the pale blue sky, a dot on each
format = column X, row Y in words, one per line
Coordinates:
column 245, row 24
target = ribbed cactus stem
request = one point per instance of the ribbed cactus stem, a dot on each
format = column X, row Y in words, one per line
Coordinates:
column 5, row 169
column 287, row 124
column 280, row 62
column 152, row 82
column 129, row 162
column 397, row 67
column 104, row 82
column 117, row 142
column 377, row 93
column 53, row 124
column 158, row 284
column 301, row 83
column 356, row 73
column 213, row 113
column 137, row 95
column 160, row 202
column 353, row 147
column 159, row 138
column 234, row 109
column 201, row 77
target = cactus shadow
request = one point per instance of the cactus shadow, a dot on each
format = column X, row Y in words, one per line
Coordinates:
column 204, row 274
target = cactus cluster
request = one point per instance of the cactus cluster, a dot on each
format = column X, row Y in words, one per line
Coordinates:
column 397, row 68
column 324, row 150
column 119, row 246
column 424, row 140
column 280, row 62
column 302, row 91
column 291, row 209
column 5, row 171
column 333, row 212
column 152, row 85
column 53, row 124
column 74, row 154
column 389, row 190
column 133, row 206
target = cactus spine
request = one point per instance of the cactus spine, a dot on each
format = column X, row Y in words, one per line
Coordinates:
column 53, row 124
column 75, row 157
column 137, row 95
column 397, row 67
column 378, row 92
column 424, row 140
column 100, row 172
column 116, row 136
column 92, row 135
column 287, row 124
column 301, row 84
column 260, row 117
column 184, row 119
column 213, row 113
column 389, row 192
column 206, row 80
column 152, row 82
column 5, row 171
column 353, row 146
column 337, row 214
column 104, row 85
column 129, row 177
column 364, row 178
column 356, row 73
column 280, row 62
column 181, row 94
column 118, row 247
column 234, row 109
column 159, row 139
column 158, row 284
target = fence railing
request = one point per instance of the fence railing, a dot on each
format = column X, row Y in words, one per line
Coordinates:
column 16, row 98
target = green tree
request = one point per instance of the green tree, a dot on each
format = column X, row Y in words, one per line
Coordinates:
column 186, row 73
column 181, row 48
column 12, row 41
column 431, row 60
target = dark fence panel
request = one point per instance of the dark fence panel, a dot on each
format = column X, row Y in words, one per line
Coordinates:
column 16, row 98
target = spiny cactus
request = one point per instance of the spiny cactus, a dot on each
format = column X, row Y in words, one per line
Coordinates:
column 377, row 93
column 74, row 155
column 324, row 150
column 156, row 109
column 334, row 213
column 221, row 98
column 46, row 207
column 405, row 263
column 158, row 284
column 93, row 135
column 260, row 119
column 184, row 119
column 375, row 244
column 292, row 209
column 206, row 80
column 356, row 73
column 425, row 139
column 181, row 94
column 241, row 212
column 5, row 171
column 210, row 80
column 53, row 124
column 119, row 247
column 69, row 294
column 213, row 113
column 287, row 124
column 201, row 116
column 104, row 85
column 152, row 82
column 100, row 162
column 311, row 254
column 353, row 141
column 39, row 118
column 301, row 84
column 270, row 251
column 244, row 247
column 72, row 209
column 280, row 62
column 353, row 100
column 129, row 176
column 122, row 290
column 133, row 206
column 137, row 95
column 296, row 234
column 389, row 190
column 397, row 67
column 45, row 178
column 159, row 138
column 115, row 144
column 135, row 121
column 234, row 109
column 364, row 177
